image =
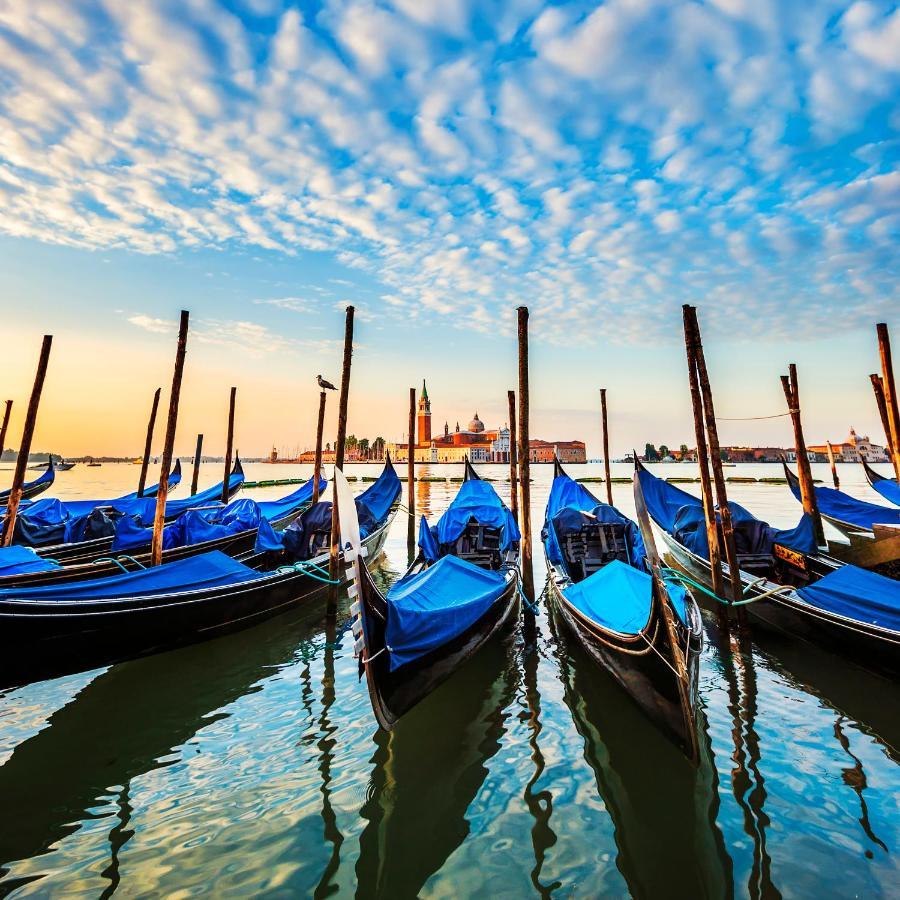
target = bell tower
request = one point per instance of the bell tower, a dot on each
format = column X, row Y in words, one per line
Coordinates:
column 424, row 423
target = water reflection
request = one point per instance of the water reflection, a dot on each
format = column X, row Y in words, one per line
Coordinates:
column 426, row 773
column 125, row 723
column 663, row 810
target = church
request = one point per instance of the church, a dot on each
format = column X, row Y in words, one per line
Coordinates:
column 476, row 442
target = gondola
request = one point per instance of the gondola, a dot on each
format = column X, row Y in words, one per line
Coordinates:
column 233, row 529
column 33, row 488
column 647, row 635
column 887, row 487
column 849, row 515
column 793, row 586
column 53, row 630
column 83, row 530
column 460, row 591
column 873, row 531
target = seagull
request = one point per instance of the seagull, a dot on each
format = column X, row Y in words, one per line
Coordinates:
column 325, row 384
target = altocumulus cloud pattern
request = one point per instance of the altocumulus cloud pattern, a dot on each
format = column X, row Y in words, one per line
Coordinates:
column 620, row 157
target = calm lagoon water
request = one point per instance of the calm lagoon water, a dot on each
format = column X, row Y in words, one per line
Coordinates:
column 251, row 765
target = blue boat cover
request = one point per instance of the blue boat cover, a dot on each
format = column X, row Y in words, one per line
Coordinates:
column 889, row 489
column 199, row 525
column 567, row 502
column 681, row 515
column 848, row 509
column 476, row 500
column 45, row 478
column 857, row 594
column 372, row 507
column 206, row 570
column 618, row 597
column 432, row 607
column 20, row 560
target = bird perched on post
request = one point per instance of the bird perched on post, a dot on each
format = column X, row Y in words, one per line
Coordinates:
column 325, row 384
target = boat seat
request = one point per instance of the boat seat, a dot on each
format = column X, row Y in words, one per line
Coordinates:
column 758, row 564
column 593, row 547
column 479, row 544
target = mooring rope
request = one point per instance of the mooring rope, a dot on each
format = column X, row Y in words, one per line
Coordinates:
column 674, row 575
column 308, row 568
column 755, row 418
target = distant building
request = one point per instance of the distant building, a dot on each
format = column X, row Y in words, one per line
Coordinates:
column 853, row 449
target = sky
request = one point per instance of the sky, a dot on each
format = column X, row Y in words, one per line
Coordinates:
column 438, row 163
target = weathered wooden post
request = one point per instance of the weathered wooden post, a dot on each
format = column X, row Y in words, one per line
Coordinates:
column 142, row 481
column 525, row 474
column 159, row 519
column 198, row 456
column 606, row 475
column 513, row 457
column 15, row 494
column 333, row 573
column 807, row 489
column 834, row 474
column 878, row 388
column 411, row 461
column 889, row 387
column 229, row 446
column 320, row 427
column 715, row 461
column 5, row 425
column 709, row 506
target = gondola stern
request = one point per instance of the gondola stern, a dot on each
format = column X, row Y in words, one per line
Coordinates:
column 470, row 474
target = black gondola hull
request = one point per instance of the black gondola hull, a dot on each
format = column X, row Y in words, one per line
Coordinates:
column 46, row 639
column 395, row 693
column 643, row 667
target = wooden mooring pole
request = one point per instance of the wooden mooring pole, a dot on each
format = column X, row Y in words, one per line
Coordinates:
column 148, row 442
column 709, row 506
column 320, row 428
column 715, row 462
column 525, row 475
column 5, row 425
column 889, row 386
column 15, row 494
column 807, row 489
column 878, row 388
column 333, row 573
column 513, row 457
column 605, row 423
column 411, row 458
column 159, row 519
column 229, row 446
column 834, row 474
column 198, row 455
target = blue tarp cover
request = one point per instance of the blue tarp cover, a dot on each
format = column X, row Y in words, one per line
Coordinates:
column 842, row 506
column 46, row 477
column 681, row 515
column 379, row 497
column 430, row 608
column 200, row 525
column 479, row 501
column 857, row 594
column 618, row 597
column 19, row 560
column 207, row 570
column 889, row 489
column 568, row 495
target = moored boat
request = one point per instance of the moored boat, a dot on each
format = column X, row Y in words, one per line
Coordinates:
column 647, row 635
column 887, row 487
column 459, row 592
column 787, row 582
column 33, row 488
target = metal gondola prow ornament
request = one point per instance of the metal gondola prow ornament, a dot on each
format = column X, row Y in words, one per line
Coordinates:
column 353, row 553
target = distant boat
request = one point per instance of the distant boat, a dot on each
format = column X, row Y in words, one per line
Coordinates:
column 64, row 466
column 93, row 462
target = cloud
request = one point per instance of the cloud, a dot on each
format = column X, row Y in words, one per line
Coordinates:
column 156, row 326
column 462, row 157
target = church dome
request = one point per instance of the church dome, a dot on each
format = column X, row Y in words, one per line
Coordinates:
column 476, row 424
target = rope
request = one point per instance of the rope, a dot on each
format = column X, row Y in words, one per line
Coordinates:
column 532, row 607
column 755, row 418
column 140, row 565
column 310, row 569
column 671, row 667
column 369, row 659
column 673, row 575
column 109, row 559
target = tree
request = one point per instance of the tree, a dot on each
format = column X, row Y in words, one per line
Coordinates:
column 683, row 450
column 364, row 448
column 663, row 451
column 378, row 447
column 650, row 453
column 351, row 441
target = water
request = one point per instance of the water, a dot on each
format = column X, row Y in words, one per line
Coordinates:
column 251, row 765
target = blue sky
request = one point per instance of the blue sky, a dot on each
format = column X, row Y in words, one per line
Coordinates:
column 437, row 163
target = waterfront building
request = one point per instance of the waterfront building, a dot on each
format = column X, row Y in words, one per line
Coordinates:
column 853, row 449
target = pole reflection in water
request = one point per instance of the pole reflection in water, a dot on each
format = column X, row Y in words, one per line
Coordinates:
column 426, row 773
column 119, row 836
column 663, row 810
column 539, row 803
